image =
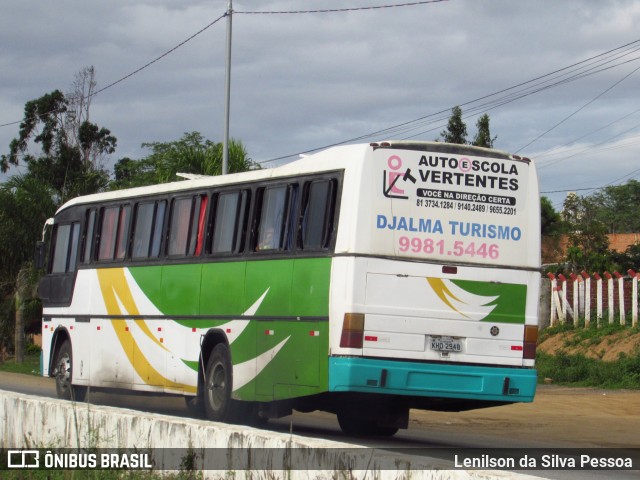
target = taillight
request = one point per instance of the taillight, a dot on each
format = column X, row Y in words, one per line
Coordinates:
column 352, row 330
column 530, row 342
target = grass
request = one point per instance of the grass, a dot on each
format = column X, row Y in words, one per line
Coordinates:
column 30, row 366
column 581, row 371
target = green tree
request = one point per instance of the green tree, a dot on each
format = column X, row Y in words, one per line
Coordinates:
column 550, row 220
column 619, row 207
column 63, row 152
column 483, row 136
column 25, row 204
column 71, row 148
column 588, row 243
column 456, row 131
column 191, row 154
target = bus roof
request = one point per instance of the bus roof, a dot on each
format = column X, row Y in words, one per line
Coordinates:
column 334, row 158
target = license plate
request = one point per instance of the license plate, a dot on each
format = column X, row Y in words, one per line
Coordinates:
column 446, row 344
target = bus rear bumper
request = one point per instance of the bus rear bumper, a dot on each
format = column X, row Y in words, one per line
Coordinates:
column 369, row 375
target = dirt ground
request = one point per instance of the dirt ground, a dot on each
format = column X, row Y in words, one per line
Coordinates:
column 607, row 348
column 558, row 417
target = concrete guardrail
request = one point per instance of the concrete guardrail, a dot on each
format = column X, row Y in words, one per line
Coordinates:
column 219, row 450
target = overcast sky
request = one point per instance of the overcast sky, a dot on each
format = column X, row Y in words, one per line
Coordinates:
column 307, row 80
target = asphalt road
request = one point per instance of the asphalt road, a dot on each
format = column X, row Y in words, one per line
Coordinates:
column 558, row 418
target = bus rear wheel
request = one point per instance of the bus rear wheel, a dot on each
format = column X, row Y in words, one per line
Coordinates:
column 218, row 384
column 63, row 368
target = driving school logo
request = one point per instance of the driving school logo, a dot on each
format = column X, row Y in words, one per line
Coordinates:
column 395, row 178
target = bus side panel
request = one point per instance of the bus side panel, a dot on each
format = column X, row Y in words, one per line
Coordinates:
column 273, row 312
column 292, row 336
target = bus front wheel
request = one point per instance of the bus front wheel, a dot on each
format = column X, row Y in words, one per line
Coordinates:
column 63, row 373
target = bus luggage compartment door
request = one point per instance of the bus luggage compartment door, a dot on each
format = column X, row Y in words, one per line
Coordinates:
column 433, row 318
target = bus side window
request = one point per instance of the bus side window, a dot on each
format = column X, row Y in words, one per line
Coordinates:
column 158, row 227
column 65, row 248
column 147, row 230
column 114, row 232
column 142, row 230
column 187, row 225
column 317, row 215
column 271, row 226
column 88, row 238
column 122, row 239
column 227, row 223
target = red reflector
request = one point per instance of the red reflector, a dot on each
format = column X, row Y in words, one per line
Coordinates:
column 370, row 338
column 228, row 330
column 71, row 327
column 193, row 329
column 517, row 348
column 126, row 329
column 98, row 328
column 450, row 270
column 159, row 329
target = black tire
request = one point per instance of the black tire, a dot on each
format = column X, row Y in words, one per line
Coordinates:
column 360, row 426
column 63, row 368
column 216, row 396
column 218, row 382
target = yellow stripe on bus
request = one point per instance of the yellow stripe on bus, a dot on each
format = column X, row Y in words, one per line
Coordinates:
column 116, row 292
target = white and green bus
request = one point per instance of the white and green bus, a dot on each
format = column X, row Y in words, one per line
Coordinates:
column 364, row 280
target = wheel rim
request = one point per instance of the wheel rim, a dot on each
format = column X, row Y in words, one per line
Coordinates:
column 217, row 386
column 63, row 375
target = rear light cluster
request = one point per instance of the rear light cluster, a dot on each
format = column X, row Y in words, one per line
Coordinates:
column 352, row 330
column 530, row 342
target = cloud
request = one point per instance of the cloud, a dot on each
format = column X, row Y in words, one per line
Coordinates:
column 307, row 80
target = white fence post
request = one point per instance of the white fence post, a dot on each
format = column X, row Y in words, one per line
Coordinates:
column 621, row 309
column 610, row 305
column 575, row 283
column 587, row 298
column 598, row 298
column 634, row 297
column 563, row 298
column 554, row 299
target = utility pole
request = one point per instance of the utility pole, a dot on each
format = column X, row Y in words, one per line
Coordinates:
column 227, row 100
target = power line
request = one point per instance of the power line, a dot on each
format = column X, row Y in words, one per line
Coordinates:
column 160, row 57
column 148, row 64
column 554, row 151
column 579, row 109
column 339, row 10
column 576, row 71
column 168, row 52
